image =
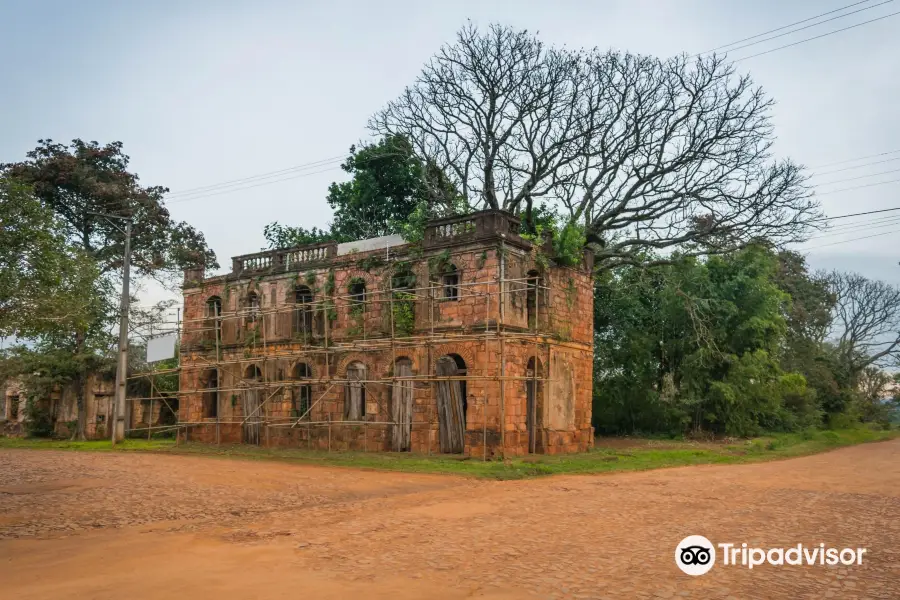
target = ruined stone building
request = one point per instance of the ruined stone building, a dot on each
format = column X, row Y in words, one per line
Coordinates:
column 61, row 405
column 472, row 341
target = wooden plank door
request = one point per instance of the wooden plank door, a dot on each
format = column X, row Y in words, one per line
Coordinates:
column 401, row 407
column 451, row 419
column 251, row 416
column 355, row 407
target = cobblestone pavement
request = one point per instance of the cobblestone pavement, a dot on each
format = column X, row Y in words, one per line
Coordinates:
column 149, row 526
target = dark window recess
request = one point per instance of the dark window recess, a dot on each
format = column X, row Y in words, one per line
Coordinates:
column 211, row 394
column 303, row 310
column 252, row 307
column 214, row 312
column 302, row 396
column 450, row 283
column 533, row 298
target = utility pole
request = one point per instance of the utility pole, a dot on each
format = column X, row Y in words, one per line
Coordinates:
column 119, row 413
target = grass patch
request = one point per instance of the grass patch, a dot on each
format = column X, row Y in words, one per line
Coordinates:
column 598, row 460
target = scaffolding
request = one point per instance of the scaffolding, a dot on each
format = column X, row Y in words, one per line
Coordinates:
column 203, row 349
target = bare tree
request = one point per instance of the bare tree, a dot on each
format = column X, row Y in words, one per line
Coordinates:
column 646, row 153
column 498, row 112
column 867, row 321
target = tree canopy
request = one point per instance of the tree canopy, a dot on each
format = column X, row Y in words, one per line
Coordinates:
column 84, row 180
column 647, row 154
column 45, row 282
column 63, row 194
column 390, row 191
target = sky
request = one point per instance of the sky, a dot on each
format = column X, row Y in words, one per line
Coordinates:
column 202, row 93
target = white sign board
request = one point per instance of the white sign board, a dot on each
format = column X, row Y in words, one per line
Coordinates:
column 161, row 348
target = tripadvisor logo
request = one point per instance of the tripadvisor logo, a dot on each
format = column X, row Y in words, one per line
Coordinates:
column 696, row 555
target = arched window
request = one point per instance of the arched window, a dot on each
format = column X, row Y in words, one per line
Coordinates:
column 533, row 286
column 210, row 382
column 403, row 283
column 303, row 310
column 450, row 283
column 355, row 392
column 214, row 313
column 252, row 307
column 357, row 292
column 252, row 373
column 302, row 394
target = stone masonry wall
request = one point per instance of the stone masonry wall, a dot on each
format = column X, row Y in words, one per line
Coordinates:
column 557, row 339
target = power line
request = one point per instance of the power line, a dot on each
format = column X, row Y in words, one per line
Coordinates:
column 893, row 14
column 856, row 229
column 811, row 25
column 247, row 187
column 860, row 214
column 863, row 224
column 865, row 237
column 858, row 178
column 873, row 163
column 261, row 176
column 753, row 37
column 858, row 187
column 850, row 160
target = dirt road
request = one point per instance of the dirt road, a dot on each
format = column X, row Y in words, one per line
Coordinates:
column 93, row 525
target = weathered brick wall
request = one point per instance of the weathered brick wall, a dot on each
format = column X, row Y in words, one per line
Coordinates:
column 63, row 408
column 563, row 354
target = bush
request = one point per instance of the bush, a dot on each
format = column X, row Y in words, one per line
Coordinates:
column 38, row 422
column 842, row 421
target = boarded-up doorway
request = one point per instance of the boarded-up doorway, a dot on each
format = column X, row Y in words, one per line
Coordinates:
column 252, row 406
column 451, row 403
column 401, row 406
column 355, row 392
column 534, row 405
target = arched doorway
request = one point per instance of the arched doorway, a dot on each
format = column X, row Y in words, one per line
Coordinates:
column 210, row 382
column 401, row 406
column 302, row 393
column 534, row 404
column 451, row 402
column 355, row 392
column 252, row 406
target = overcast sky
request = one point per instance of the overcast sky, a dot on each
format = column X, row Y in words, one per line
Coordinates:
column 205, row 92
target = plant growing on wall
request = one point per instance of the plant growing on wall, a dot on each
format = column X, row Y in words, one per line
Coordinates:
column 404, row 313
column 373, row 261
column 438, row 263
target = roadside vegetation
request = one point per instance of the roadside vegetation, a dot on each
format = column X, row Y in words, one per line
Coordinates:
column 610, row 455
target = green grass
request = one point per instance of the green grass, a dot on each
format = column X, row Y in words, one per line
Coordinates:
column 645, row 454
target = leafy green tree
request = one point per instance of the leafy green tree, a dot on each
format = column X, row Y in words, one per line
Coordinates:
column 285, row 236
column 45, row 282
column 387, row 183
column 694, row 346
column 391, row 191
column 79, row 183
column 82, row 181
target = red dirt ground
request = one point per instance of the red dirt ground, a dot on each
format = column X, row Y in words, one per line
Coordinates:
column 140, row 526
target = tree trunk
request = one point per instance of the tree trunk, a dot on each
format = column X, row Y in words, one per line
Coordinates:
column 80, row 394
column 81, row 422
